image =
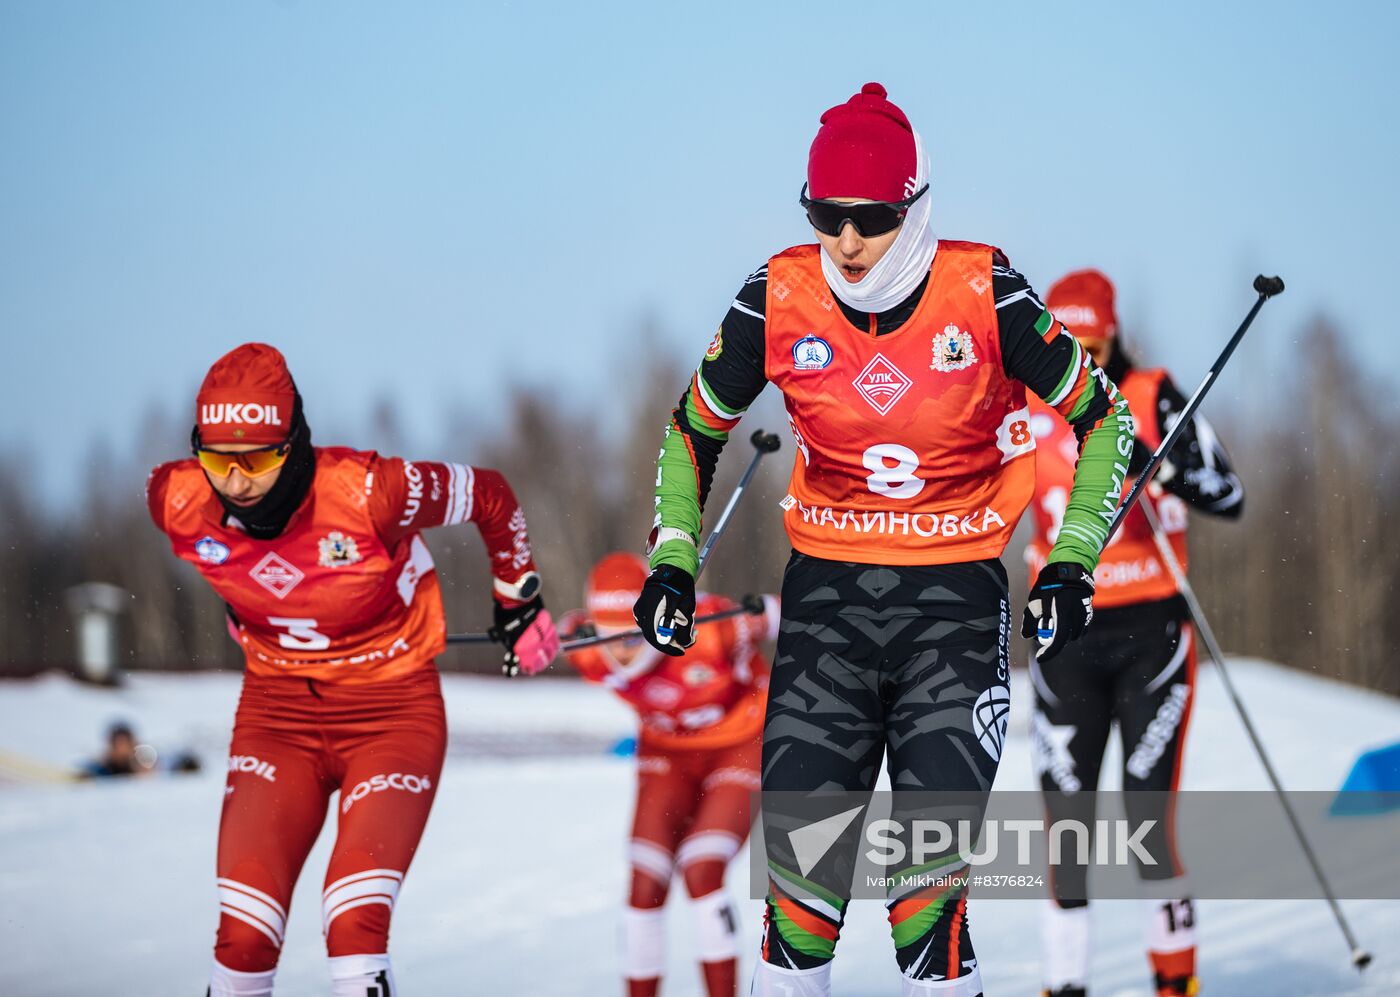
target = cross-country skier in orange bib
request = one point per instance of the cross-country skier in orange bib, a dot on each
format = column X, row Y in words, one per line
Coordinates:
column 334, row 599
column 903, row 360
column 697, row 764
column 1137, row 665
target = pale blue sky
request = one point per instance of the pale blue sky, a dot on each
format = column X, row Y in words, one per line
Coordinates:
column 430, row 202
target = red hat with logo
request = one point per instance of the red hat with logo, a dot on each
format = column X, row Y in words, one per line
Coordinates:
column 247, row 397
column 613, row 586
column 1083, row 302
column 865, row 148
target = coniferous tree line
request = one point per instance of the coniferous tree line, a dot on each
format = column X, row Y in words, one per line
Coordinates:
column 1308, row 577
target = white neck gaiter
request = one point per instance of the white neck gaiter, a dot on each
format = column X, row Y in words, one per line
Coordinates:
column 890, row 281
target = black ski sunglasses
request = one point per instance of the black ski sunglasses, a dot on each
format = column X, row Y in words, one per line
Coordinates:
column 870, row 217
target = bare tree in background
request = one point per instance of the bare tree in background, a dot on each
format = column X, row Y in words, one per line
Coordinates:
column 1309, row 576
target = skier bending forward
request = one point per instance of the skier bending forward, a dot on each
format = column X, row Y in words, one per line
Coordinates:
column 903, row 360
column 697, row 765
column 332, row 594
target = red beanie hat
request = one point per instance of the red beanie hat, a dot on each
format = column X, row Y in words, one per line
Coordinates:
column 865, row 148
column 246, row 397
column 613, row 585
column 1083, row 302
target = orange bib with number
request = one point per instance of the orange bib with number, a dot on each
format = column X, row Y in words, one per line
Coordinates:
column 1130, row 569
column 913, row 447
column 325, row 600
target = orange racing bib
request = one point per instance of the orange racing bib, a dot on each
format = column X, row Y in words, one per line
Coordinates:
column 1130, row 569
column 913, row 447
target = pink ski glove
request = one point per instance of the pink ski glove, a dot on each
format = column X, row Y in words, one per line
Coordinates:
column 527, row 631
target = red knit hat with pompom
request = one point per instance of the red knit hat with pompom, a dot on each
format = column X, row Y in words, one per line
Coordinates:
column 865, row 148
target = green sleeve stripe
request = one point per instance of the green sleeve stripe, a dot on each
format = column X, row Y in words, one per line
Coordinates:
column 1088, row 536
column 1081, row 405
column 701, row 421
column 1042, row 324
column 1099, row 479
column 1070, row 376
column 712, row 401
column 677, row 501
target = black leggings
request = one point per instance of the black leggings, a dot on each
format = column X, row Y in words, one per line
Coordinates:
column 1135, row 665
column 908, row 664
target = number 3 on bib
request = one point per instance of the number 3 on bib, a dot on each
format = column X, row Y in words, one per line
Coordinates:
column 301, row 634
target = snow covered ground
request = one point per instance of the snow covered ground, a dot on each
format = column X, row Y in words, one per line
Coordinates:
column 108, row 887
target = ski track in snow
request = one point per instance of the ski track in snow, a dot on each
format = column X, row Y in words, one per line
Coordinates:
column 108, row 887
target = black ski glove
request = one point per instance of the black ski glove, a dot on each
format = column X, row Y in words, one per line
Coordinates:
column 1059, row 608
column 665, row 610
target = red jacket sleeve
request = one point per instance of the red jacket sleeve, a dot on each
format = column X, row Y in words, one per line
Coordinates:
column 156, row 486
column 408, row 496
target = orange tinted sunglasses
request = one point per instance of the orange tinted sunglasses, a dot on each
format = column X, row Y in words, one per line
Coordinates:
column 252, row 463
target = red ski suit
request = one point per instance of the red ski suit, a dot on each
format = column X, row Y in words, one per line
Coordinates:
column 701, row 720
column 340, row 617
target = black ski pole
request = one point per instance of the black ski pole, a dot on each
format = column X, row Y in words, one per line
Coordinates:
column 749, row 606
column 1360, row 958
column 763, row 443
column 1267, row 287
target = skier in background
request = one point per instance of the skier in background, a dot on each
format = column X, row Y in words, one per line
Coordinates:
column 333, row 596
column 701, row 717
column 1137, row 664
column 904, row 361
column 122, row 756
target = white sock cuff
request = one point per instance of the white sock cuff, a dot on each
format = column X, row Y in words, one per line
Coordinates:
column 358, row 965
column 775, row 981
column 643, row 942
column 716, row 926
column 964, row 986
column 1064, row 934
column 225, row 982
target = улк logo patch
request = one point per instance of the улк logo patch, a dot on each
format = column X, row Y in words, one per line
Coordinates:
column 337, row 549
column 811, row 353
column 882, row 384
column 211, row 551
column 952, row 350
column 276, row 574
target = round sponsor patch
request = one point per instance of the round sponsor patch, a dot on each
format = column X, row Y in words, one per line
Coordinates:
column 211, row 551
column 811, row 353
